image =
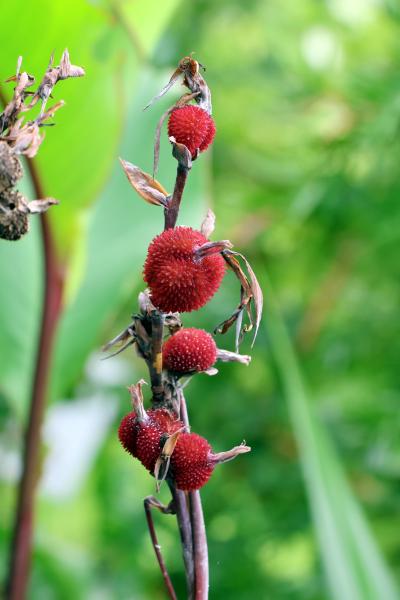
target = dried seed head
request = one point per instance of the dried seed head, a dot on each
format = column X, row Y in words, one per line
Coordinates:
column 191, row 462
column 13, row 215
column 193, row 127
column 189, row 350
column 10, row 167
column 179, row 281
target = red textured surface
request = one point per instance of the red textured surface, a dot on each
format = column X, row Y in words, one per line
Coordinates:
column 144, row 440
column 190, row 463
column 167, row 422
column 192, row 126
column 189, row 350
column 177, row 282
column 127, row 433
column 148, row 445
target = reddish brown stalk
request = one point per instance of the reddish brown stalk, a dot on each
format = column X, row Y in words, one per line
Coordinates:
column 21, row 546
column 200, row 548
column 150, row 503
column 171, row 213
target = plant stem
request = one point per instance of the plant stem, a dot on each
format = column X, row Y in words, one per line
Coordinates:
column 21, row 544
column 157, row 325
column 200, row 548
column 171, row 213
column 150, row 503
column 185, row 529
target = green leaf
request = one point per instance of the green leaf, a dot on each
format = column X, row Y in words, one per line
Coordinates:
column 20, row 314
column 353, row 563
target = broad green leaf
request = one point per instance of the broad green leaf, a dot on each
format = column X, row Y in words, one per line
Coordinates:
column 353, row 563
column 20, row 314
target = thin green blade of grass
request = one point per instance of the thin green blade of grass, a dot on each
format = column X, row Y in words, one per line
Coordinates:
column 354, row 565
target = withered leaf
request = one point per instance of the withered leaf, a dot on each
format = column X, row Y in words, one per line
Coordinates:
column 40, row 206
column 181, row 153
column 227, row 356
column 174, row 77
column 208, row 224
column 256, row 292
column 223, row 457
column 27, row 140
column 249, row 290
column 148, row 188
column 162, row 463
column 211, row 371
column 67, row 70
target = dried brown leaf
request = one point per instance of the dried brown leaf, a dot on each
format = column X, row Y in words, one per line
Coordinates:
column 148, row 188
column 181, row 153
column 256, row 293
column 40, row 206
column 227, row 356
column 208, row 224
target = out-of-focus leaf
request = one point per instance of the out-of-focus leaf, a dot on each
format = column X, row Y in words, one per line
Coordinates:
column 355, row 568
column 20, row 313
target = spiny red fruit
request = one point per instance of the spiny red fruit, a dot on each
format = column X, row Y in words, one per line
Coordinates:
column 191, row 462
column 178, row 281
column 192, row 126
column 148, row 445
column 189, row 350
column 144, row 439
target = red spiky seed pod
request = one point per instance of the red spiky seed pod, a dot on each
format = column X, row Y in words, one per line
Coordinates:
column 144, row 438
column 179, row 281
column 192, row 126
column 148, row 444
column 189, row 350
column 191, row 462
column 167, row 422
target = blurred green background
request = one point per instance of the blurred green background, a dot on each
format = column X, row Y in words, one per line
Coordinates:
column 304, row 180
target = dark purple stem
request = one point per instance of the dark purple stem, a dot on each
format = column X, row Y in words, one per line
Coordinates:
column 171, row 213
column 185, row 530
column 148, row 504
column 21, row 545
column 200, row 548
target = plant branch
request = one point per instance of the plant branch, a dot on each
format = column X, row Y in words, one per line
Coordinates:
column 179, row 499
column 171, row 213
column 21, row 544
column 149, row 503
column 157, row 325
column 200, row 548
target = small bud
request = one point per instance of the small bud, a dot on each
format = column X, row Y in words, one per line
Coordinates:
column 189, row 350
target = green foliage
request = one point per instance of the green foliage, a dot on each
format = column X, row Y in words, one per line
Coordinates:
column 304, row 180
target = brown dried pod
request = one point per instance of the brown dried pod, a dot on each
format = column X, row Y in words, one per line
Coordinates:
column 10, row 167
column 13, row 215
